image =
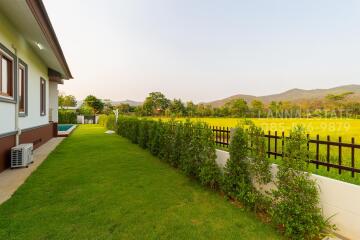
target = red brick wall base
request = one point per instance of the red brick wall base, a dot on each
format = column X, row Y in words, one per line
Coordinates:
column 37, row 135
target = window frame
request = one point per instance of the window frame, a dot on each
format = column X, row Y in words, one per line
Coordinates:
column 9, row 56
column 42, row 96
column 22, row 65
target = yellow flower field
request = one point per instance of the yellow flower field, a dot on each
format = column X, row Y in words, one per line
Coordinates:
column 345, row 128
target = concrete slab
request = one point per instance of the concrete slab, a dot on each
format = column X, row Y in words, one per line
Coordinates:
column 12, row 179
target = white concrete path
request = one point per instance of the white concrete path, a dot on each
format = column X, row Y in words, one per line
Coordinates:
column 12, row 179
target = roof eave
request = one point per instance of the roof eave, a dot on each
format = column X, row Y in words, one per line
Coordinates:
column 38, row 10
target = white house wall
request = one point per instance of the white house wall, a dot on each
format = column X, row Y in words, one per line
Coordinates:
column 7, row 117
column 53, row 101
column 11, row 39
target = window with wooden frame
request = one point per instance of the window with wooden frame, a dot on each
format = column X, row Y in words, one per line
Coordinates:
column 22, row 76
column 6, row 75
column 42, row 97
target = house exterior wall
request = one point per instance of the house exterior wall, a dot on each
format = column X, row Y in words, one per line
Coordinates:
column 35, row 128
column 11, row 39
column 53, row 101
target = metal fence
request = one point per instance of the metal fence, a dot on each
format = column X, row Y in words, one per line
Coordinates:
column 337, row 154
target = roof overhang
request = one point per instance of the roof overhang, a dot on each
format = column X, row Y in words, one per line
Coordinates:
column 32, row 21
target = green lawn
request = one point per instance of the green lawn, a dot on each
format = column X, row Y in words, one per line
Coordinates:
column 99, row 186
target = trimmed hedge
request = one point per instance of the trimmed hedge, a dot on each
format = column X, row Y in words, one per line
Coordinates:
column 108, row 121
column 187, row 146
column 67, row 117
column 292, row 207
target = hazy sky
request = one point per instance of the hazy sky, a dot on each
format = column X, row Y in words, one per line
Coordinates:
column 206, row 49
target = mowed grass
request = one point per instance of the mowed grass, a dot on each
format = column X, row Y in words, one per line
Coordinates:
column 334, row 128
column 99, row 186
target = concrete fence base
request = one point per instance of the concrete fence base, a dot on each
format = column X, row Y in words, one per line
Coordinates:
column 339, row 200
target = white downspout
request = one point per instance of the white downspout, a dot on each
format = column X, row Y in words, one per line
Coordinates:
column 16, row 92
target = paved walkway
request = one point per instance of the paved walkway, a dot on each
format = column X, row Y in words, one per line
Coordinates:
column 12, row 179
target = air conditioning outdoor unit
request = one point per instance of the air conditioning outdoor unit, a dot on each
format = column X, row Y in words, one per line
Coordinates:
column 21, row 155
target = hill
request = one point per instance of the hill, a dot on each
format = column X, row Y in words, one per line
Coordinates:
column 130, row 102
column 295, row 95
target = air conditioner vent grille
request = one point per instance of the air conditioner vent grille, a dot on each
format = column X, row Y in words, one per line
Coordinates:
column 21, row 155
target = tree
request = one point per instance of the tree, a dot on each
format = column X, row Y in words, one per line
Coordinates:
column 257, row 108
column 204, row 110
column 123, row 108
column 108, row 107
column 239, row 107
column 338, row 97
column 336, row 100
column 273, row 107
column 96, row 104
column 190, row 109
column 177, row 108
column 155, row 104
column 66, row 101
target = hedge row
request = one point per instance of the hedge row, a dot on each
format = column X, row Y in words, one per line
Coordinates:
column 108, row 121
column 67, row 117
column 184, row 145
column 292, row 207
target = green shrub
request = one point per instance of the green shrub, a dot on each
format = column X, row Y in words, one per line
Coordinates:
column 190, row 146
column 259, row 164
column 143, row 136
column 111, row 123
column 201, row 148
column 171, row 143
column 237, row 182
column 186, row 145
column 129, row 128
column 210, row 174
column 296, row 200
column 108, row 121
column 102, row 120
column 156, row 136
column 67, row 117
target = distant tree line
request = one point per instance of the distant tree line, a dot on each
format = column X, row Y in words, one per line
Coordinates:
column 157, row 104
column 333, row 105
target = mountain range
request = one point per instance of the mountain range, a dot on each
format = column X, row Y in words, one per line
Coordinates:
column 294, row 95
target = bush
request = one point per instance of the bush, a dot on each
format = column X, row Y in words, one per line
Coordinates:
column 129, row 128
column 185, row 145
column 296, row 198
column 143, row 136
column 67, row 117
column 259, row 164
column 111, row 123
column 190, row 146
column 237, row 182
column 108, row 121
column 102, row 120
column 210, row 174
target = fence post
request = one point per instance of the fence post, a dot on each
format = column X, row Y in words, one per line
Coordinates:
column 223, row 137
column 328, row 152
column 308, row 146
column 317, row 151
column 216, row 135
column 352, row 157
column 275, row 144
column 227, row 136
column 340, row 155
column 269, row 144
column 282, row 144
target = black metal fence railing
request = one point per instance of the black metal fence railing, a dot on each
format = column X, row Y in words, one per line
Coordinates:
column 329, row 154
